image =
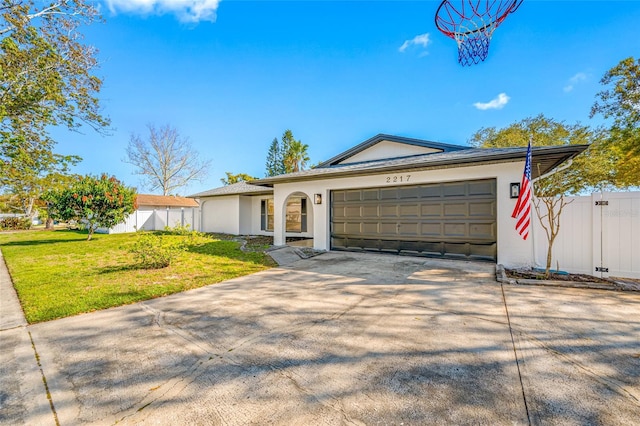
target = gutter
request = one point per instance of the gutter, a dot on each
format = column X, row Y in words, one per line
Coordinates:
column 565, row 166
column 488, row 158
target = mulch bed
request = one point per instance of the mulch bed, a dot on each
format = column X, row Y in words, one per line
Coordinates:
column 535, row 275
column 578, row 280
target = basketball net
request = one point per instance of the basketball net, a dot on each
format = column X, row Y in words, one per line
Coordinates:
column 473, row 48
column 471, row 24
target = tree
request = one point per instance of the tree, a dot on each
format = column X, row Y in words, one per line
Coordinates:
column 286, row 156
column 166, row 160
column 53, row 182
column 93, row 202
column 30, row 172
column 275, row 165
column 549, row 209
column 296, row 157
column 592, row 169
column 46, row 79
column 47, row 73
column 621, row 102
column 240, row 177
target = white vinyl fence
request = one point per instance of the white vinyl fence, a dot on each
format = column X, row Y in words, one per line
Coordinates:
column 599, row 235
column 157, row 220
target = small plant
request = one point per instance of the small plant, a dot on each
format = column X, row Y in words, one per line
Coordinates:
column 192, row 236
column 183, row 230
column 15, row 223
column 155, row 251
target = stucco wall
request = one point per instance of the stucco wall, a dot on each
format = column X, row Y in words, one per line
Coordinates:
column 245, row 214
column 221, row 214
column 512, row 250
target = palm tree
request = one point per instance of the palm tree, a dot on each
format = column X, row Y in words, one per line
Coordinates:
column 296, row 157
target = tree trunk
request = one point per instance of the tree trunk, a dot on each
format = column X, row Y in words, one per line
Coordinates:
column 549, row 254
column 28, row 208
column 48, row 224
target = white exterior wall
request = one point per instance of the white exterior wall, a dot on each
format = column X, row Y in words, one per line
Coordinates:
column 220, row 214
column 245, row 215
column 386, row 149
column 512, row 250
column 240, row 215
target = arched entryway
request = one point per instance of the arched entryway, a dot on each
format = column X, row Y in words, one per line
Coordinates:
column 296, row 220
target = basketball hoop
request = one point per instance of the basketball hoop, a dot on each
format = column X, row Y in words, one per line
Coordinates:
column 471, row 24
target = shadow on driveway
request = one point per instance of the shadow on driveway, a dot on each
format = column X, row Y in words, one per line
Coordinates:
column 351, row 338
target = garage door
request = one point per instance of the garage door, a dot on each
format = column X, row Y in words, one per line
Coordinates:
column 452, row 219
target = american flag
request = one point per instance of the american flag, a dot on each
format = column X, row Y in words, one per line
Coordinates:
column 522, row 211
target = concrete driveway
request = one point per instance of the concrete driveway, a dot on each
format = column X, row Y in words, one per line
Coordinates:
column 341, row 338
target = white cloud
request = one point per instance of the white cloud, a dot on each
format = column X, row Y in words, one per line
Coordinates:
column 419, row 40
column 185, row 10
column 497, row 103
column 579, row 77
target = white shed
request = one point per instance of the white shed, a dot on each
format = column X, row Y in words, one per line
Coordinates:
column 155, row 212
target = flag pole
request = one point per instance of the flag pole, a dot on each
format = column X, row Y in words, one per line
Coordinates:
column 522, row 210
column 533, row 231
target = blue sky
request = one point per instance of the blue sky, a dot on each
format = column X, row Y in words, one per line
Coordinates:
column 232, row 75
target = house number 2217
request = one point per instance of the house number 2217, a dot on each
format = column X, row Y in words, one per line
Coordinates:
column 398, row 178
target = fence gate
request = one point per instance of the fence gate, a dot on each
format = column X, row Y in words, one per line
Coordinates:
column 618, row 215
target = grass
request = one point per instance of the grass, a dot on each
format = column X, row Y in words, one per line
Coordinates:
column 58, row 273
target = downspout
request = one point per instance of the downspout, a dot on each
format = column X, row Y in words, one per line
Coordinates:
column 533, row 181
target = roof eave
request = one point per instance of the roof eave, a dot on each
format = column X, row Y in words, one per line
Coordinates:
column 267, row 191
column 570, row 152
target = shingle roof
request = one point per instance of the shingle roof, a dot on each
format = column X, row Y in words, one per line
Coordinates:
column 240, row 188
column 383, row 137
column 165, row 201
column 546, row 157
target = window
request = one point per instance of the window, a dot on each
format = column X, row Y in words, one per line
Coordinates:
column 295, row 214
column 266, row 215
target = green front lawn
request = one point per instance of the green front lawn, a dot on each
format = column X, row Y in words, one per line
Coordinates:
column 58, row 273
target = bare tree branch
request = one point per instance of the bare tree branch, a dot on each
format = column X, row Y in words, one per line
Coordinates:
column 166, row 161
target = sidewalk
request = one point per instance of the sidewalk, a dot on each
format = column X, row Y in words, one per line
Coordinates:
column 23, row 399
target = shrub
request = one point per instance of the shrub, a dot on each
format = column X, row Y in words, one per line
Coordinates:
column 192, row 236
column 183, row 230
column 155, row 251
column 92, row 202
column 15, row 223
